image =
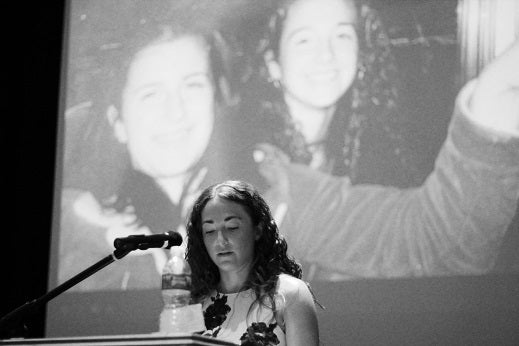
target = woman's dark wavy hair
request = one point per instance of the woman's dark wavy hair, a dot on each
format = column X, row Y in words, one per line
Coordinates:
column 371, row 101
column 270, row 250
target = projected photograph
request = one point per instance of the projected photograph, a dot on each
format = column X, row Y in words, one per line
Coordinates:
column 349, row 116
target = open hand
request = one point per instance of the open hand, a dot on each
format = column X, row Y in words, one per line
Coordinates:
column 495, row 101
column 273, row 165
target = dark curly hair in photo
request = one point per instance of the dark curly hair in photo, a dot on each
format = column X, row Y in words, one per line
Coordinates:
column 270, row 250
column 366, row 131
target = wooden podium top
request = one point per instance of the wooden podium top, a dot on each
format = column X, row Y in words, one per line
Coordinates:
column 123, row 340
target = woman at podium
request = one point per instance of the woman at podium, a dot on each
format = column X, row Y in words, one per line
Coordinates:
column 250, row 288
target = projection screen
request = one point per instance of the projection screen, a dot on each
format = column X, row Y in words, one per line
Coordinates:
column 344, row 133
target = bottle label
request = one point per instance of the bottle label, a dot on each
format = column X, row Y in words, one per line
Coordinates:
column 176, row 281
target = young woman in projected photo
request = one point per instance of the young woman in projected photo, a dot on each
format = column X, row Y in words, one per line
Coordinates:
column 322, row 59
column 250, row 288
column 163, row 104
column 325, row 85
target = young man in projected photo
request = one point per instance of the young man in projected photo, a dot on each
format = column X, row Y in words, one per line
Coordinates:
column 161, row 101
column 323, row 70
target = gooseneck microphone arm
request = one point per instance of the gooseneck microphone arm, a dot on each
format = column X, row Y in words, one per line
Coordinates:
column 15, row 317
column 12, row 320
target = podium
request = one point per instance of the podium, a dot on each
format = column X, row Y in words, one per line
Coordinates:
column 124, row 340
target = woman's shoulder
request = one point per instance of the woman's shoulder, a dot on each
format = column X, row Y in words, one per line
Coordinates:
column 292, row 287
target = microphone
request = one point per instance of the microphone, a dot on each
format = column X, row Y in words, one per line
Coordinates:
column 142, row 242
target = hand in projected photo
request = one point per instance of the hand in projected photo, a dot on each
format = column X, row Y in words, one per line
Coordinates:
column 271, row 163
column 495, row 102
column 117, row 224
column 270, row 159
column 87, row 207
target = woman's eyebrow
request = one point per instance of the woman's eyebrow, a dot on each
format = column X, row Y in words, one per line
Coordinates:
column 136, row 89
column 209, row 221
column 228, row 218
column 303, row 28
column 232, row 217
column 197, row 74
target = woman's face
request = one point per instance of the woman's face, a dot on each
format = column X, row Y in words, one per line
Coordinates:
column 229, row 235
column 168, row 107
column 317, row 53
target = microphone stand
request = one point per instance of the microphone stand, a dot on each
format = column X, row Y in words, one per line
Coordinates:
column 9, row 321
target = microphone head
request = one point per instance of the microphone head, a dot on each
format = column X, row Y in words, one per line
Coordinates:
column 173, row 239
column 143, row 242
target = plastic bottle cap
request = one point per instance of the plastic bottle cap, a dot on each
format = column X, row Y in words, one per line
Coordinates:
column 177, row 251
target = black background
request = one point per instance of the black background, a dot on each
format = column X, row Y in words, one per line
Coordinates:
column 37, row 29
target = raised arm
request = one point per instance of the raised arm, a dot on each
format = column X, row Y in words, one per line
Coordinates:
column 453, row 224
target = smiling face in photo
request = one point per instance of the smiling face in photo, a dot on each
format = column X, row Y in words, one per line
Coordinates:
column 317, row 52
column 229, row 235
column 168, row 107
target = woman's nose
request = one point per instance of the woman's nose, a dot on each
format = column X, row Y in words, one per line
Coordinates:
column 174, row 106
column 221, row 238
column 325, row 51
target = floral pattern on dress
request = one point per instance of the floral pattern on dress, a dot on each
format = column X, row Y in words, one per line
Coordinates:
column 257, row 334
column 215, row 314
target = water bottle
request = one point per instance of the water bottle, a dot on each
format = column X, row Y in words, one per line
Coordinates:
column 178, row 315
column 176, row 280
